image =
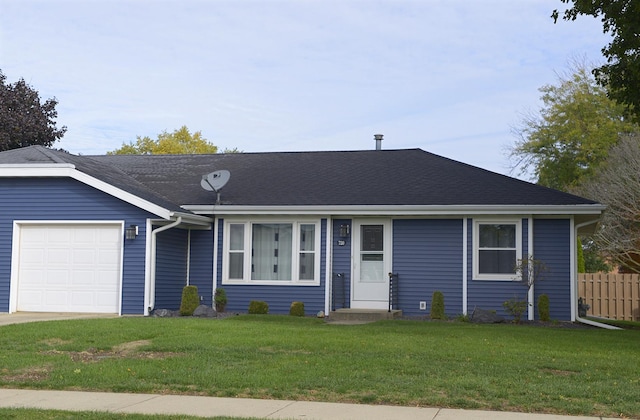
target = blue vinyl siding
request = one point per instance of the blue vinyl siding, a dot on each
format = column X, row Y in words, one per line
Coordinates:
column 341, row 258
column 279, row 297
column 201, row 264
column 487, row 294
column 171, row 268
column 427, row 256
column 67, row 199
column 133, row 269
column 551, row 245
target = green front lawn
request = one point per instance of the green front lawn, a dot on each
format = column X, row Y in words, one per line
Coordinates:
column 414, row 363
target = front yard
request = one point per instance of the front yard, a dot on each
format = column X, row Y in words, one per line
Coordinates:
column 583, row 371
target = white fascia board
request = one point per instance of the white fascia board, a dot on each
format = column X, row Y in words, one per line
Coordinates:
column 387, row 210
column 193, row 219
column 65, row 170
column 26, row 170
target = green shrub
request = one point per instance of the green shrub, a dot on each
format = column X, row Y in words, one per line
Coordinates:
column 516, row 308
column 220, row 299
column 463, row 318
column 190, row 300
column 543, row 308
column 258, row 307
column 297, row 309
column 437, row 305
column 581, row 261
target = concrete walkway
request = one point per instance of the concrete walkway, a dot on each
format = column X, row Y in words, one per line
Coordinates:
column 242, row 407
column 22, row 317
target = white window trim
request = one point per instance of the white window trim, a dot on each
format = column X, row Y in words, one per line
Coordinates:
column 295, row 263
column 476, row 248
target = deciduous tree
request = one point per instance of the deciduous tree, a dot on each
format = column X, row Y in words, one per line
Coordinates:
column 617, row 184
column 621, row 73
column 24, row 121
column 569, row 137
column 181, row 141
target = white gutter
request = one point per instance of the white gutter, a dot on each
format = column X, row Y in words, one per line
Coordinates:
column 152, row 278
column 398, row 210
column 574, row 297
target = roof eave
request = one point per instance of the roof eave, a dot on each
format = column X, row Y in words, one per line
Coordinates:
column 399, row 210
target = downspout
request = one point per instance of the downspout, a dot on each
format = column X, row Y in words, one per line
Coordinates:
column 531, row 294
column 189, row 257
column 575, row 282
column 152, row 280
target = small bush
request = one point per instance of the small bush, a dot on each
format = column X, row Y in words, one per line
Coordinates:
column 543, row 308
column 437, row 305
column 516, row 308
column 258, row 307
column 463, row 318
column 190, row 300
column 220, row 299
column 297, row 309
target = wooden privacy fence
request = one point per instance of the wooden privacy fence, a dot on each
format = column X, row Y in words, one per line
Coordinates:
column 614, row 296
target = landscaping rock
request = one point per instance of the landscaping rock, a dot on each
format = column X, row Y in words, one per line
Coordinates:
column 164, row 313
column 482, row 316
column 204, row 311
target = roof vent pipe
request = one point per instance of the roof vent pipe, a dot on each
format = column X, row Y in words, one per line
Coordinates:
column 378, row 139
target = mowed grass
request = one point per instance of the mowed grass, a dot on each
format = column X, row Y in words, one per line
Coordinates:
column 414, row 363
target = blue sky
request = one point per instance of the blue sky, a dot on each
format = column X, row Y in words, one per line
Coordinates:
column 450, row 77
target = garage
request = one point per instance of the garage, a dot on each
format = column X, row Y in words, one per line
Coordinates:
column 65, row 267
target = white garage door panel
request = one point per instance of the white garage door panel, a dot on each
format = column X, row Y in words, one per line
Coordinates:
column 69, row 268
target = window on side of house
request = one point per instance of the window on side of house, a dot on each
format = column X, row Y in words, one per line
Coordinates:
column 282, row 252
column 497, row 247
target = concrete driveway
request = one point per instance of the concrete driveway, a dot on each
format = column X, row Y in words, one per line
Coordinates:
column 22, row 317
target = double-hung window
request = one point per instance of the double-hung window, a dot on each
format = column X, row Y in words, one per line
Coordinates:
column 497, row 248
column 272, row 252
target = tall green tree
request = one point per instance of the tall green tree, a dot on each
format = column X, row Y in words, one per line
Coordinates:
column 181, row 141
column 563, row 143
column 621, row 73
column 24, row 120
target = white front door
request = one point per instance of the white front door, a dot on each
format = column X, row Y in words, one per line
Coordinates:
column 371, row 264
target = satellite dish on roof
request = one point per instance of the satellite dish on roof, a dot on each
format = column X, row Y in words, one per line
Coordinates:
column 215, row 181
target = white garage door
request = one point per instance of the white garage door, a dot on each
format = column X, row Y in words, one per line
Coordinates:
column 69, row 268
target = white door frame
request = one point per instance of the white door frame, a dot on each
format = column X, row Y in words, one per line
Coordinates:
column 378, row 298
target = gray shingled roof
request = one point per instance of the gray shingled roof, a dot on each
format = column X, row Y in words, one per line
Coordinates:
column 375, row 177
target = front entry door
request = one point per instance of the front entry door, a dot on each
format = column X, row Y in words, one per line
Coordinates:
column 371, row 264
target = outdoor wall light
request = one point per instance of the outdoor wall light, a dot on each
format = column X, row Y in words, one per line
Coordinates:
column 131, row 232
column 344, row 231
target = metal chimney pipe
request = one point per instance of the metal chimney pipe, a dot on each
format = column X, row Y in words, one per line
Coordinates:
column 378, row 139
